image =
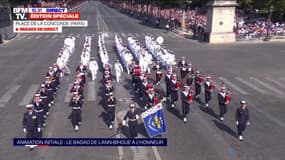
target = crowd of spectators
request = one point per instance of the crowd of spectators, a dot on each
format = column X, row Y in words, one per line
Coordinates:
column 248, row 23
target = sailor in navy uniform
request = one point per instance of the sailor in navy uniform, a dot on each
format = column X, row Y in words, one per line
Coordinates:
column 76, row 104
column 167, row 80
column 222, row 102
column 49, row 89
column 39, row 109
column 182, row 64
column 242, row 119
column 31, row 124
column 44, row 97
column 111, row 106
column 186, row 98
column 57, row 73
column 132, row 117
column 77, row 88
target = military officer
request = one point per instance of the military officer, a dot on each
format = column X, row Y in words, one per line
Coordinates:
column 39, row 109
column 132, row 116
column 111, row 105
column 242, row 118
column 31, row 124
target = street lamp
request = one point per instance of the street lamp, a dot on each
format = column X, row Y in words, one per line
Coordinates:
column 269, row 22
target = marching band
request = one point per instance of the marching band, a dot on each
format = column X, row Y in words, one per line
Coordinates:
column 138, row 61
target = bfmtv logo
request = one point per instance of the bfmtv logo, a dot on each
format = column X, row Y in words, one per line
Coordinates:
column 20, row 13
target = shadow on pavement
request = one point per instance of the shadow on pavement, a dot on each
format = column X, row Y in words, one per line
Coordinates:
column 225, row 128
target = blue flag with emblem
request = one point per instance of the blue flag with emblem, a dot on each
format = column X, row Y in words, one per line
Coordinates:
column 154, row 120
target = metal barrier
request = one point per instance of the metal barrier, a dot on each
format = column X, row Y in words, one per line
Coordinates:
column 260, row 36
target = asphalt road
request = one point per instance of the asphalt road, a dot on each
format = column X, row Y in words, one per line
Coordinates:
column 255, row 72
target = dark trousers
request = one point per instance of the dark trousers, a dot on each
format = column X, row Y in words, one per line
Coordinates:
column 240, row 128
column 133, row 128
column 167, row 91
column 32, row 133
column 174, row 96
column 183, row 74
column 45, row 103
column 111, row 114
column 197, row 89
column 185, row 109
column 41, row 118
column 223, row 109
column 157, row 78
column 208, row 96
column 75, row 117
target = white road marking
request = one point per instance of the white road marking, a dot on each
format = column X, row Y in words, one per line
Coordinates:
column 68, row 95
column 38, row 36
column 235, row 87
column 29, row 95
column 156, row 153
column 251, row 85
column 282, row 85
column 61, row 36
column 91, row 94
column 268, row 86
column 47, row 36
column 22, row 36
column 54, row 36
column 8, row 95
column 78, row 35
column 31, row 36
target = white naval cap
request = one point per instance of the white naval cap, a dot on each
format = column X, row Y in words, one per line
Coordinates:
column 243, row 102
column 28, row 106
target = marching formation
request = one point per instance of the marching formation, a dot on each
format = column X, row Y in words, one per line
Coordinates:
column 77, row 89
column 37, row 112
column 147, row 66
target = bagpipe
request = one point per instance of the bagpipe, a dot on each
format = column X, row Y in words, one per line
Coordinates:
column 201, row 78
column 190, row 96
column 229, row 94
column 178, row 85
column 137, row 70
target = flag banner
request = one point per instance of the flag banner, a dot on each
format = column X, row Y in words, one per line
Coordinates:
column 154, row 120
